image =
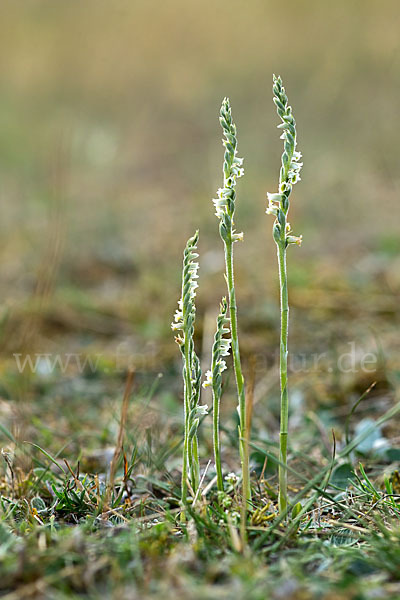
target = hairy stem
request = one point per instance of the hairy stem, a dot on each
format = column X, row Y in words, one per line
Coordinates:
column 194, row 463
column 217, row 444
column 238, row 369
column 283, row 377
column 186, row 442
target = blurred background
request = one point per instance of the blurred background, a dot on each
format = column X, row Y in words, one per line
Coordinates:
column 110, row 154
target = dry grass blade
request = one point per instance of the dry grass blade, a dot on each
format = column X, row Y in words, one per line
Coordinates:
column 121, row 432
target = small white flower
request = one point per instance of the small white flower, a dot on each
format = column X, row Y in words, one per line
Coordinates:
column 222, row 366
column 293, row 239
column 225, row 346
column 272, row 209
column 178, row 317
column 220, row 203
column 274, row 197
column 208, row 380
column 237, row 237
column 201, row 409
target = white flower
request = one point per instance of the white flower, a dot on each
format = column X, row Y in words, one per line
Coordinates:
column 220, row 203
column 208, row 380
column 274, row 197
column 178, row 317
column 237, row 237
column 201, row 409
column 272, row 209
column 293, row 239
column 222, row 366
column 297, row 156
column 225, row 346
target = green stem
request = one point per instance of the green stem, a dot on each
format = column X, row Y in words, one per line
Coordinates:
column 194, row 463
column 190, row 458
column 238, row 369
column 184, row 486
column 187, row 397
column 217, row 444
column 283, row 376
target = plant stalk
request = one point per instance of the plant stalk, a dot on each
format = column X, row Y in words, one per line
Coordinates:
column 283, row 435
column 187, row 397
column 217, row 443
column 194, row 463
column 238, row 369
column 278, row 205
